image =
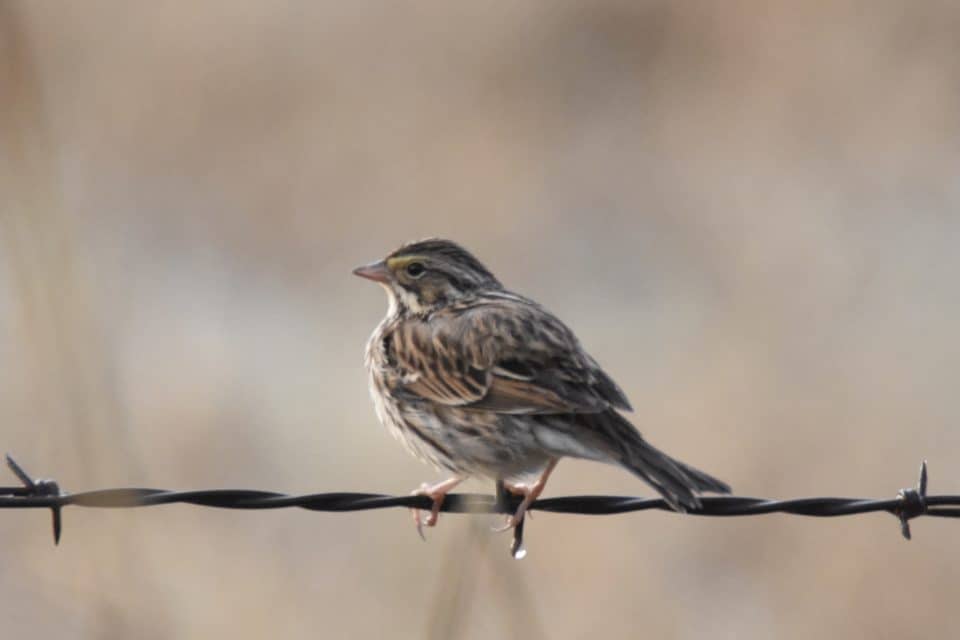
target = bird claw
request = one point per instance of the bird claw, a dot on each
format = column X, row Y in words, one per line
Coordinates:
column 530, row 493
column 437, row 493
column 416, row 519
column 431, row 520
column 514, row 520
column 511, row 523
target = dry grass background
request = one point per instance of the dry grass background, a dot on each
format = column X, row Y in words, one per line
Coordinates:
column 748, row 211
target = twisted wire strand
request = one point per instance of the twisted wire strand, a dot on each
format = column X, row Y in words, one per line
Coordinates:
column 125, row 498
column 46, row 494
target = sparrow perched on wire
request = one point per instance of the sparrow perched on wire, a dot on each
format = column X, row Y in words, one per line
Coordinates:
column 479, row 380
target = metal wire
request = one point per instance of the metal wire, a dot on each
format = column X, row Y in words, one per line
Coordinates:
column 46, row 494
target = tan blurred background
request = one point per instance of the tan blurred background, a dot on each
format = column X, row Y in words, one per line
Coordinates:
column 747, row 210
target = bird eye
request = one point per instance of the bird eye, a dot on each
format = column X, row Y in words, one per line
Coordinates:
column 415, row 269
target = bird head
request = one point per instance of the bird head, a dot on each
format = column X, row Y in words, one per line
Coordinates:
column 424, row 275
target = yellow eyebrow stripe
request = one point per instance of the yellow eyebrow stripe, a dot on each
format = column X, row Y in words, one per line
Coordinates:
column 402, row 261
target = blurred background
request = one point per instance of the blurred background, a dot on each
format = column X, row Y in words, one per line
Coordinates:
column 748, row 211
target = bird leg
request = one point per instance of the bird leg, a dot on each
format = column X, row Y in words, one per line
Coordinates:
column 530, row 492
column 437, row 493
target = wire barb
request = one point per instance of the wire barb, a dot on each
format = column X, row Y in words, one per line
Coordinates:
column 46, row 494
column 913, row 502
column 43, row 487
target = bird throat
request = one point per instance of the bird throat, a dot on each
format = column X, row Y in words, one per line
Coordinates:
column 403, row 302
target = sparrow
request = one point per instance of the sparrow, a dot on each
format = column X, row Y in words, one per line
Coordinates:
column 481, row 381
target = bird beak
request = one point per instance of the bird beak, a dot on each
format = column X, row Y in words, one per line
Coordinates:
column 376, row 271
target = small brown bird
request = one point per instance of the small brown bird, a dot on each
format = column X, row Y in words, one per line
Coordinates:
column 482, row 381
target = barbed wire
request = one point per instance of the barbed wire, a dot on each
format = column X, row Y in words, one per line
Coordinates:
column 47, row 494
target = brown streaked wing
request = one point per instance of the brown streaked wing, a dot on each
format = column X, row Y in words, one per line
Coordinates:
column 505, row 356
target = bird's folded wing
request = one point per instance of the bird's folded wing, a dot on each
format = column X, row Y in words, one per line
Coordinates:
column 502, row 359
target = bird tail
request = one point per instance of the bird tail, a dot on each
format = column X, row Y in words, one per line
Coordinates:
column 676, row 482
